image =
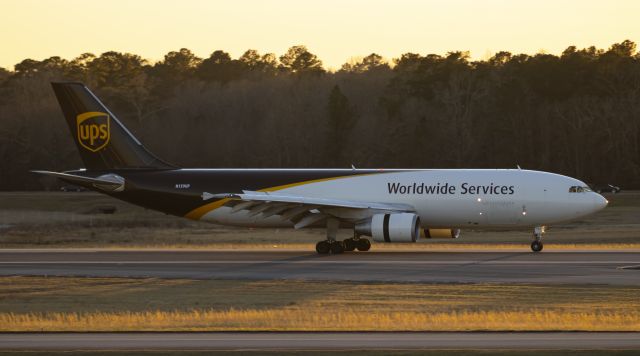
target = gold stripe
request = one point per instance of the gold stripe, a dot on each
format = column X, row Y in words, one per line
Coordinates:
column 199, row 212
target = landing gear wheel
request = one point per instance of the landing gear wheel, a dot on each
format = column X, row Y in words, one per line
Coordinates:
column 363, row 244
column 323, row 247
column 536, row 246
column 349, row 244
column 337, row 247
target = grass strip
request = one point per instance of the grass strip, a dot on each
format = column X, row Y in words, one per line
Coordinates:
column 150, row 304
column 343, row 319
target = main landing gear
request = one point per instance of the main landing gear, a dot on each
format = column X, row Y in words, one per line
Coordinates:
column 336, row 247
column 536, row 245
column 331, row 245
column 357, row 243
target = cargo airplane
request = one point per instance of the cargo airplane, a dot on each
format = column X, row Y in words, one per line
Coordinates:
column 388, row 205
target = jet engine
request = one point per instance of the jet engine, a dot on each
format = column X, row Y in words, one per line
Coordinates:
column 400, row 227
column 441, row 233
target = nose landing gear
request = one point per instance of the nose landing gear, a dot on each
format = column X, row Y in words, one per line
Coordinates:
column 536, row 245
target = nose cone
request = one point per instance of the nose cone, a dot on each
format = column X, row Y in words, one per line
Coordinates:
column 599, row 202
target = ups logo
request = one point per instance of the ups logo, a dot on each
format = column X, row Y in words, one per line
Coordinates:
column 93, row 130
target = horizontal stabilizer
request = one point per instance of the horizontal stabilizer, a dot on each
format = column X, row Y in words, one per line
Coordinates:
column 106, row 182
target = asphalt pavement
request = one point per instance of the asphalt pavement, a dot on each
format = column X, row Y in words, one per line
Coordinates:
column 319, row 341
column 581, row 267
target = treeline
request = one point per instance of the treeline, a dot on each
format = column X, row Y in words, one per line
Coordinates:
column 576, row 114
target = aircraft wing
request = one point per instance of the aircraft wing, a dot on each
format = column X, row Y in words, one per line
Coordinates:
column 304, row 211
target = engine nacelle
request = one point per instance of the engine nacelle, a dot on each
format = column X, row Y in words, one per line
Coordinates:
column 401, row 227
column 441, row 233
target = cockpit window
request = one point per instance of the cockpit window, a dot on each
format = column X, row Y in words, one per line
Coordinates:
column 579, row 189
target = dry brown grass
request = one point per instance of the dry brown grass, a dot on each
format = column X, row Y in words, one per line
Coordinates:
column 120, row 304
column 339, row 319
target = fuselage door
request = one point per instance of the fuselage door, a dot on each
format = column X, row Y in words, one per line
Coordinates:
column 501, row 211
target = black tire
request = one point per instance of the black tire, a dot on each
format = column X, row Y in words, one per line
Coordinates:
column 337, row 247
column 323, row 247
column 363, row 245
column 349, row 245
column 536, row 246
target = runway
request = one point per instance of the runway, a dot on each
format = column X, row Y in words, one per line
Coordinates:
column 614, row 268
column 319, row 341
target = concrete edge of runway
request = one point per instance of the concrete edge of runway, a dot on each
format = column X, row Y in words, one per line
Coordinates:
column 306, row 340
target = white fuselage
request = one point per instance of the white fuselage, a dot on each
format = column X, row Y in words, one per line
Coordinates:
column 451, row 198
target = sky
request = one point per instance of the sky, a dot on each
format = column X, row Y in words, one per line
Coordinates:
column 335, row 30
